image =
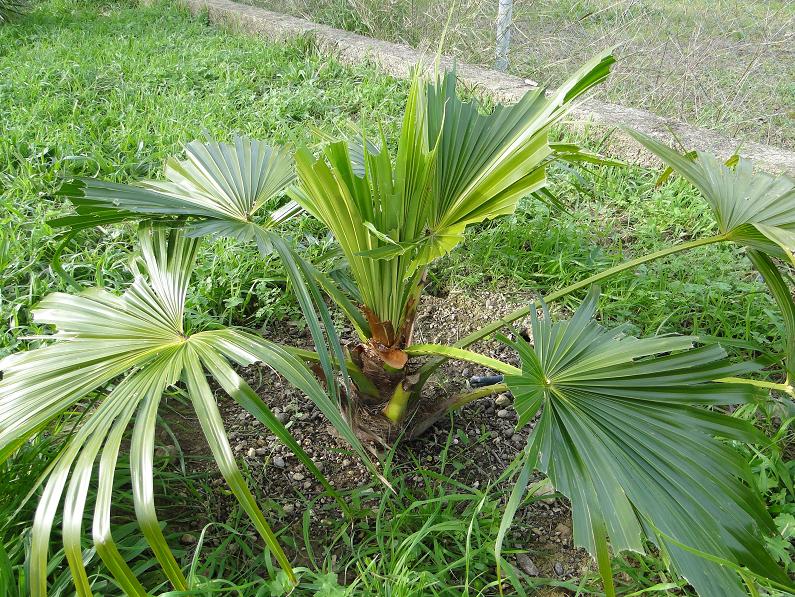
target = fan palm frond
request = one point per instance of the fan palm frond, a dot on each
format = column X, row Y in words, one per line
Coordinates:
column 455, row 166
column 624, row 433
column 755, row 209
column 137, row 342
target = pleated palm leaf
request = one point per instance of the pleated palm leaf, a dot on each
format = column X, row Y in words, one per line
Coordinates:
column 455, row 166
column 755, row 209
column 752, row 208
column 128, row 350
column 624, row 432
column 221, row 187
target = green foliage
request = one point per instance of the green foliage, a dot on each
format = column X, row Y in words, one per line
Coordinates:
column 753, row 209
column 622, row 435
column 12, row 9
column 455, row 166
column 139, row 336
column 112, row 91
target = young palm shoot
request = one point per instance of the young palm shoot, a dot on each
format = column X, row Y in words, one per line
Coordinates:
column 455, row 166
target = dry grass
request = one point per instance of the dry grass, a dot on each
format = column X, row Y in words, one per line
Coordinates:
column 722, row 64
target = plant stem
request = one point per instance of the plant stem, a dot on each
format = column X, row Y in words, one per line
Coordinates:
column 454, row 403
column 426, row 370
column 769, row 385
column 465, row 398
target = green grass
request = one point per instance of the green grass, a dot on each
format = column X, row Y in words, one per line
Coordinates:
column 107, row 89
column 723, row 64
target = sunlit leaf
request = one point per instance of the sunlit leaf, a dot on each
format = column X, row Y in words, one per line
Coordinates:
column 455, row 165
column 137, row 342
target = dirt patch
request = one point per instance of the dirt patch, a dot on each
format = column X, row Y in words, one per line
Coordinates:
column 481, row 442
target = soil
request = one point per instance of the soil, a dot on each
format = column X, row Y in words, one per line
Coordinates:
column 483, row 442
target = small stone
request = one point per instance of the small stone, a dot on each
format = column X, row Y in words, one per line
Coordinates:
column 558, row 568
column 168, row 451
column 261, row 451
column 279, row 461
column 346, row 462
column 527, row 565
column 251, row 453
column 289, row 508
column 298, row 476
column 503, row 414
column 508, row 432
column 563, row 530
column 502, row 400
column 187, row 539
column 307, row 484
column 282, row 417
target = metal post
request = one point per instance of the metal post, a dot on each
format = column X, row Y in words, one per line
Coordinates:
column 504, row 18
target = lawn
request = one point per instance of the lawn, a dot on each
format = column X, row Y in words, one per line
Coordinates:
column 726, row 65
column 109, row 89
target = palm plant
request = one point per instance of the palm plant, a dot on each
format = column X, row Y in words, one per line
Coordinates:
column 455, row 166
column 628, row 427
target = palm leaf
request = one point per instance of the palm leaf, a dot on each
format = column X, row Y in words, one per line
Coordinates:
column 137, row 341
column 754, row 209
column 220, row 186
column 623, row 433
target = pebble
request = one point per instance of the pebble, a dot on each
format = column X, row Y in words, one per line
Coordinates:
column 502, row 400
column 187, row 539
column 251, row 453
column 527, row 565
column 298, row 476
column 261, row 451
column 558, row 568
column 279, row 461
column 289, row 508
column 282, row 417
column 503, row 413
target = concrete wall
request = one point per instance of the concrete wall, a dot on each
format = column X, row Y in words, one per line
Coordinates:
column 397, row 60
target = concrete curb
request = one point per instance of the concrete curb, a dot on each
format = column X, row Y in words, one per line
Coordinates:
column 397, row 59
